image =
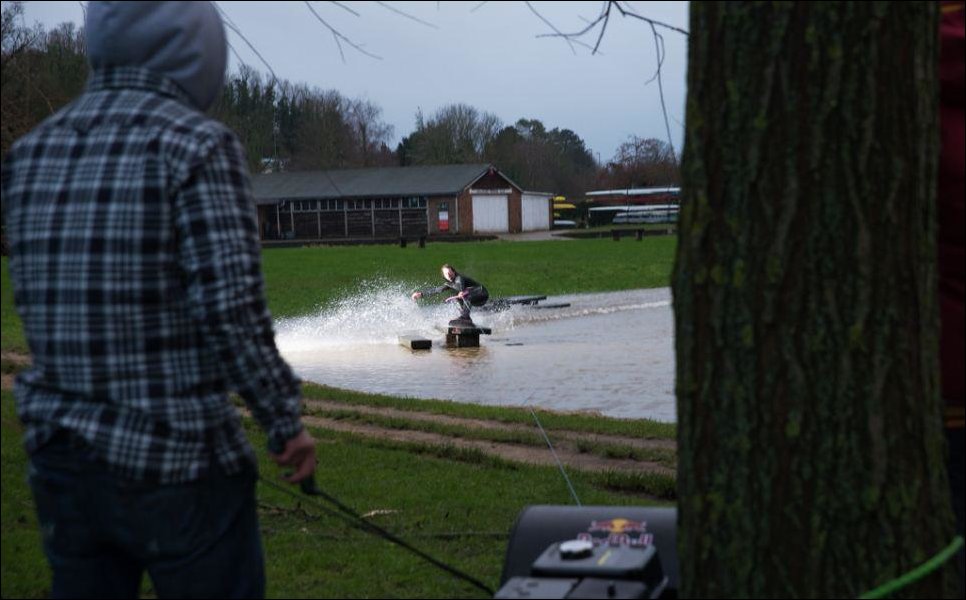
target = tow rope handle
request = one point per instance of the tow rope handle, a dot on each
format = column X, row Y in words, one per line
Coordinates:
column 308, row 485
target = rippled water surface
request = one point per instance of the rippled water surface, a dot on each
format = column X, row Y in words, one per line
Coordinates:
column 609, row 352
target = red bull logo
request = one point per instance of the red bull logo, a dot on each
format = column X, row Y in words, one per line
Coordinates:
column 619, row 532
column 618, row 526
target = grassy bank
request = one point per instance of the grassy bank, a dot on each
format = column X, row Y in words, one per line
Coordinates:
column 455, row 504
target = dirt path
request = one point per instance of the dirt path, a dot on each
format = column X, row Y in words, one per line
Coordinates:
column 569, row 436
column 19, row 361
column 565, row 442
column 535, row 455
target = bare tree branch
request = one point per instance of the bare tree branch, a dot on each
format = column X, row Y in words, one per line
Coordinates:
column 658, row 47
column 338, row 45
column 573, row 40
column 343, row 6
column 606, row 15
column 231, row 25
column 629, row 13
column 551, row 26
column 339, row 37
column 660, row 60
column 238, row 57
column 630, row 6
column 573, row 36
column 604, row 20
column 25, row 42
column 477, row 7
column 407, row 15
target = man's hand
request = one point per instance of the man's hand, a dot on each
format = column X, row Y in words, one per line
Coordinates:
column 299, row 453
column 453, row 298
column 417, row 295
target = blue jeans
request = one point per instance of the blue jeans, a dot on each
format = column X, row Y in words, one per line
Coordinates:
column 102, row 532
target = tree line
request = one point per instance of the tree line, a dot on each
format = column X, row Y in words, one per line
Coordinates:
column 294, row 127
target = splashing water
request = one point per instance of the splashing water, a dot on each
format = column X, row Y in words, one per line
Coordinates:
column 376, row 312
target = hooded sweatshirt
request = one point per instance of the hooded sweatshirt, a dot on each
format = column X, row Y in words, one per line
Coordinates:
column 183, row 41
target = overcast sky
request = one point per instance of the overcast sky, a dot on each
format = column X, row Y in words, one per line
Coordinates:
column 489, row 58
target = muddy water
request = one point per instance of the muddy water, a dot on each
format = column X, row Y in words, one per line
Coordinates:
column 610, row 352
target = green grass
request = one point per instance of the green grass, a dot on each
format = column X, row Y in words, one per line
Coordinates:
column 446, row 492
column 25, row 573
column 456, row 504
column 637, row 428
column 11, row 329
column 300, row 280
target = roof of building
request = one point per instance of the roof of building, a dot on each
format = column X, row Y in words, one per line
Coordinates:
column 437, row 180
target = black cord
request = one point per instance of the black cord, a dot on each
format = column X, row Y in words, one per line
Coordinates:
column 353, row 519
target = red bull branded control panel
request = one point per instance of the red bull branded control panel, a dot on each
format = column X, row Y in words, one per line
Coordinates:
column 614, row 557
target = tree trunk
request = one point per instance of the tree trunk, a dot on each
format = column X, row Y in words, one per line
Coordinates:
column 811, row 449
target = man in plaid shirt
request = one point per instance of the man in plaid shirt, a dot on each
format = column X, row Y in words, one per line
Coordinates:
column 135, row 261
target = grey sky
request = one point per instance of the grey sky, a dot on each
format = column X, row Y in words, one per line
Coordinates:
column 490, row 58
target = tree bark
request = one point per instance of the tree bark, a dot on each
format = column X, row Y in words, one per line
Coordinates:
column 811, row 450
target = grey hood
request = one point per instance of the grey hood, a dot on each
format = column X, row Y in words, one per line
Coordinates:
column 184, row 41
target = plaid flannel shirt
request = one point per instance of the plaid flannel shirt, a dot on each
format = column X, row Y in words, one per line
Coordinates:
column 135, row 262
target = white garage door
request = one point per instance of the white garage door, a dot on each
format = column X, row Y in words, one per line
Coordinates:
column 536, row 213
column 491, row 214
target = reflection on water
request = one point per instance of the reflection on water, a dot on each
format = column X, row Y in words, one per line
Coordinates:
column 610, row 352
